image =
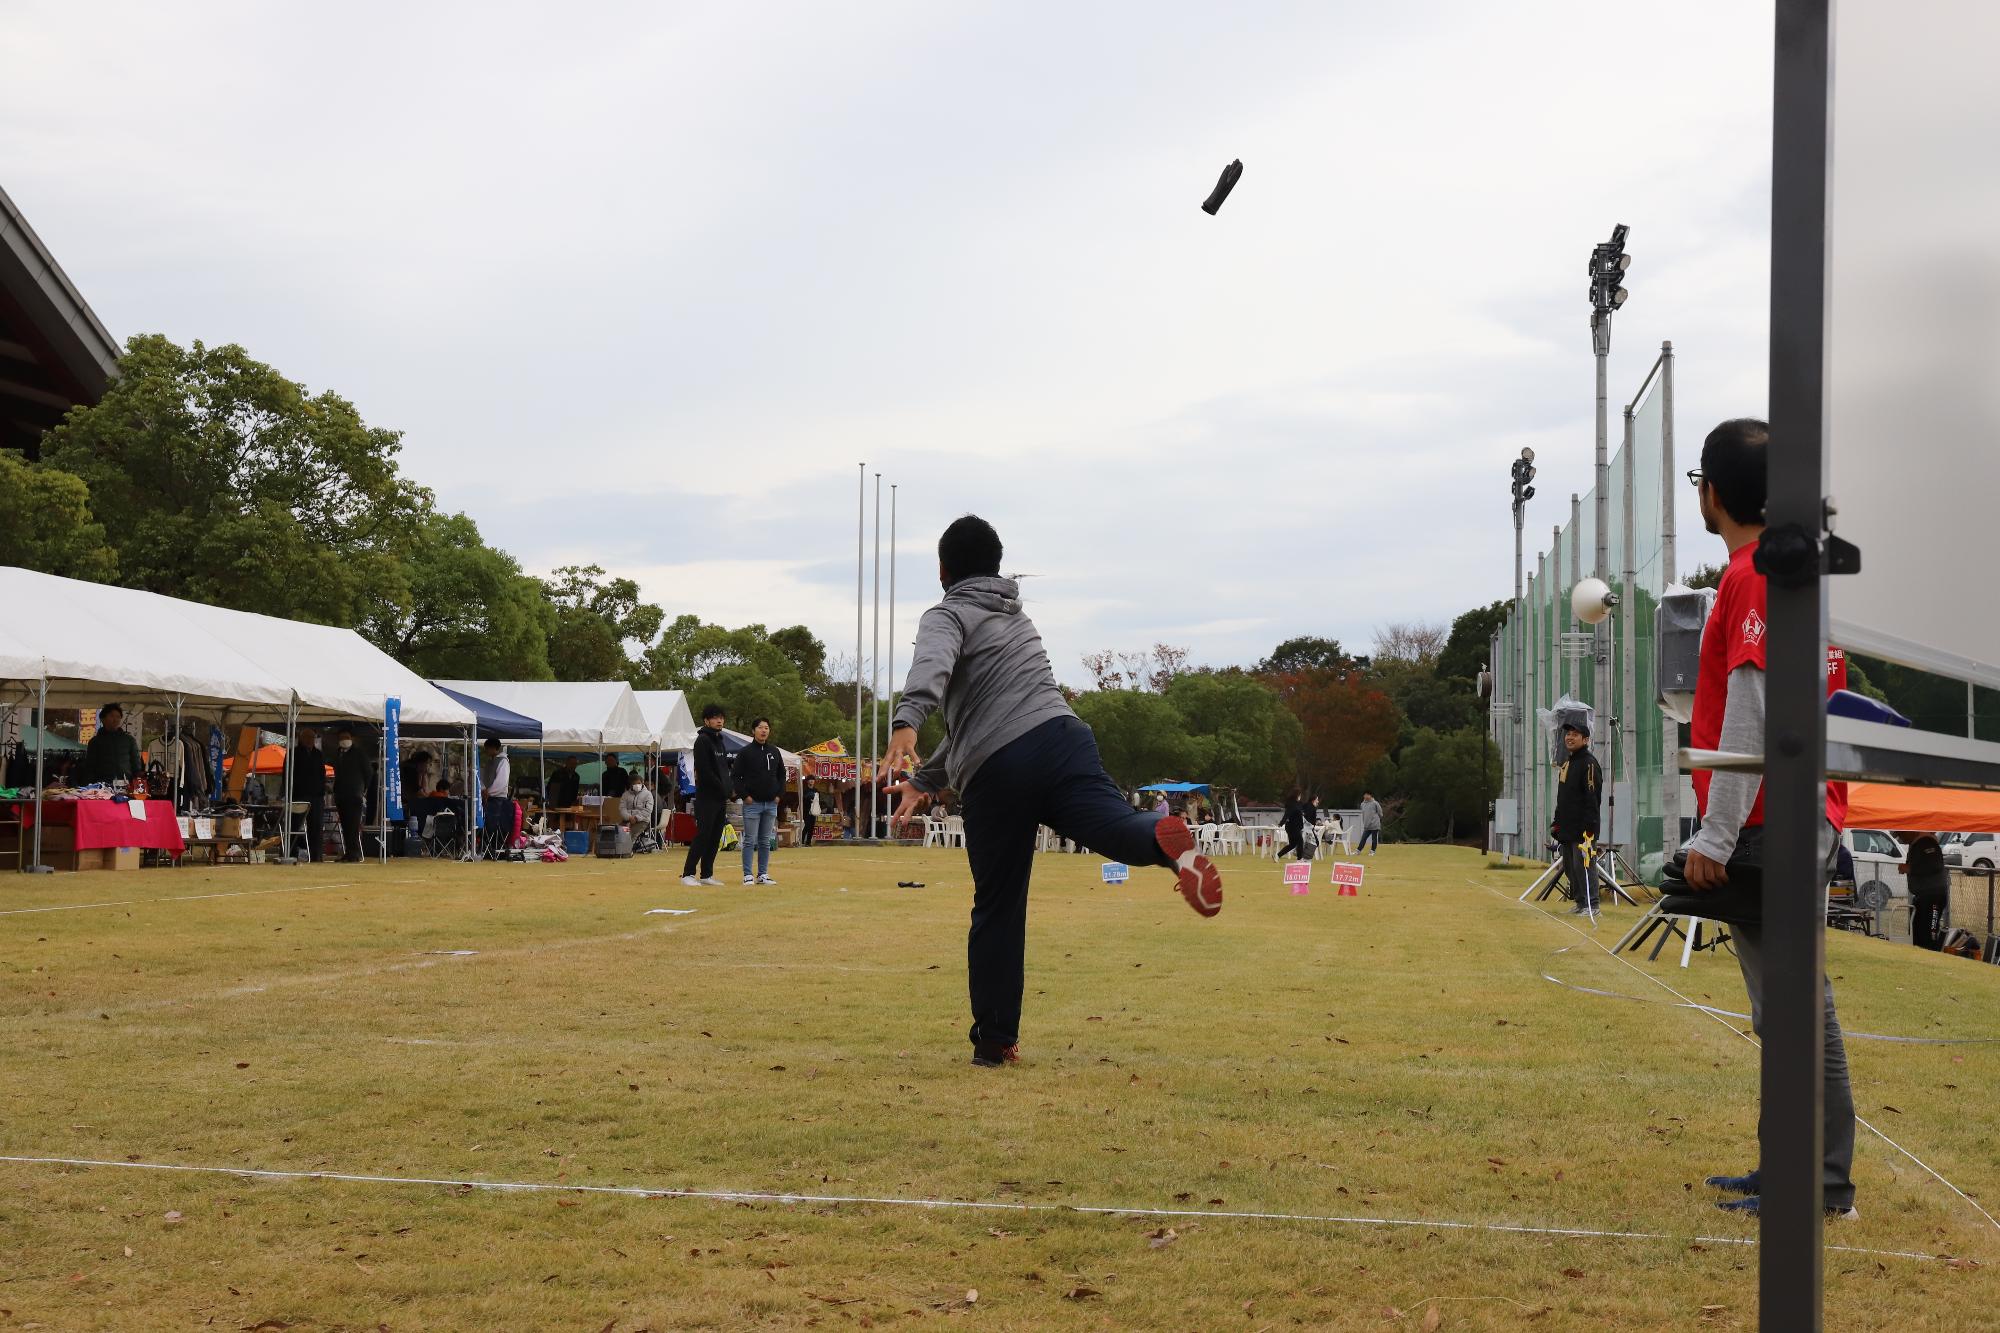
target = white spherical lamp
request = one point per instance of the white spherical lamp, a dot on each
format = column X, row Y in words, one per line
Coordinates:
column 1591, row 600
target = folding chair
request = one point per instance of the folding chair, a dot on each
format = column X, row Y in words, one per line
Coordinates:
column 441, row 834
column 295, row 831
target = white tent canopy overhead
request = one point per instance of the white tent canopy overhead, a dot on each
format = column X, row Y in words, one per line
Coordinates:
column 94, row 643
column 667, row 714
column 334, row 672
column 593, row 714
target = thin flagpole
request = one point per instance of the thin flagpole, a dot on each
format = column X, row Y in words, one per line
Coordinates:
column 892, row 609
column 860, row 531
column 875, row 678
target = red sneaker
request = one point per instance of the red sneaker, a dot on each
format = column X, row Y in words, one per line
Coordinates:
column 1200, row 881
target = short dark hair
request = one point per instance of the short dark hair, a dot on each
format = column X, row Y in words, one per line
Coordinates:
column 109, row 709
column 1733, row 462
column 969, row 547
column 759, row 722
column 492, row 743
column 712, row 710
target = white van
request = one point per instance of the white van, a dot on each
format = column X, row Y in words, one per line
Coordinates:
column 1878, row 861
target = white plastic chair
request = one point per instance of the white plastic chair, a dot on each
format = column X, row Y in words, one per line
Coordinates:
column 954, row 831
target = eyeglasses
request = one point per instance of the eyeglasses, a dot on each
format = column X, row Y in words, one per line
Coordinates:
column 1694, row 477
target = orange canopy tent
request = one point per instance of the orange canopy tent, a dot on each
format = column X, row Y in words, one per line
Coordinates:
column 268, row 759
column 1923, row 809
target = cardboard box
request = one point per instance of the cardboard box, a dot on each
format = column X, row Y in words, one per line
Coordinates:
column 233, row 826
column 123, row 858
column 95, row 858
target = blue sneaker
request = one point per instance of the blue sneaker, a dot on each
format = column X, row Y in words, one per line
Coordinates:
column 1734, row 1184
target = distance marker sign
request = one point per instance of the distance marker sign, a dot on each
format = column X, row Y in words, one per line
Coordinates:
column 1347, row 879
column 1299, row 875
column 1116, row 872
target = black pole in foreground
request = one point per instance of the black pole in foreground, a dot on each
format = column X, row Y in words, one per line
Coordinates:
column 1790, row 1259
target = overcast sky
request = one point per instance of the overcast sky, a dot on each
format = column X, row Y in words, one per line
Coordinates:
column 642, row 283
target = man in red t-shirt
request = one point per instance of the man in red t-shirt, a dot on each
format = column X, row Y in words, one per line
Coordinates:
column 1729, row 715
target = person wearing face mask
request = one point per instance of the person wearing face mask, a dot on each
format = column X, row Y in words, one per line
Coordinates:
column 353, row 779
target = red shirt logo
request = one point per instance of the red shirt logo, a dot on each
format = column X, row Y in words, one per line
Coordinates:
column 1753, row 627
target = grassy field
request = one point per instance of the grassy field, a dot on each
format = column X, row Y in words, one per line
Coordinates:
column 1394, row 1056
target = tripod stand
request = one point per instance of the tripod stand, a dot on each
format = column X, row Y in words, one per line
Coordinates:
column 1603, row 864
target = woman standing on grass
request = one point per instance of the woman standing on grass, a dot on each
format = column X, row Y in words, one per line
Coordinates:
column 1295, row 825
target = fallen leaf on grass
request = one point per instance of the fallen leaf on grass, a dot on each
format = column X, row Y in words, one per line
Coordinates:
column 173, row 1215
column 1572, row 1273
column 1157, row 1240
column 1081, row 1293
column 997, row 1233
column 1892, row 1110
column 972, row 1296
column 1432, row 1318
column 242, row 1064
column 1961, row 1263
column 777, row 1069
column 128, row 1251
column 1711, row 1311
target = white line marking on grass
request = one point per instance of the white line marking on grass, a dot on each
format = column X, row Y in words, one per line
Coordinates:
column 973, row 1205
column 1752, row 1039
column 187, row 898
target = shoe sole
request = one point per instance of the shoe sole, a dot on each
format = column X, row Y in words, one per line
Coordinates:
column 1198, row 879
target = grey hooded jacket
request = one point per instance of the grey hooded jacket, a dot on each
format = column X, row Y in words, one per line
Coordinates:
column 981, row 661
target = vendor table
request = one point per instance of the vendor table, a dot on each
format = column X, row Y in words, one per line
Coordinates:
column 565, row 817
column 110, row 823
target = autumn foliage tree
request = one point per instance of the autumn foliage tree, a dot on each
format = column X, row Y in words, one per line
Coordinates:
column 1345, row 726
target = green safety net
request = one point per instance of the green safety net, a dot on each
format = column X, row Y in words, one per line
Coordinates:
column 1538, row 624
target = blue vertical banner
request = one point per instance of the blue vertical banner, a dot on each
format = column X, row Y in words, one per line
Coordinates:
column 215, row 749
column 392, row 790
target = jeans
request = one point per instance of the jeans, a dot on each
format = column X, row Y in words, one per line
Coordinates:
column 1837, row 1164
column 1051, row 776
column 1369, row 836
column 760, row 834
column 707, row 837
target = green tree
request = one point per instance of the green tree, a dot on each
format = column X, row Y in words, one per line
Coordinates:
column 46, row 523
column 749, row 693
column 596, row 617
column 471, row 614
column 1440, row 777
column 1306, row 653
column 1240, row 732
column 1705, row 576
column 219, row 480
column 1470, row 643
column 1140, row 735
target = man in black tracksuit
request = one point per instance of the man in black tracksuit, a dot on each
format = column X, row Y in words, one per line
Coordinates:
column 1577, row 784
column 1930, row 890
column 712, row 781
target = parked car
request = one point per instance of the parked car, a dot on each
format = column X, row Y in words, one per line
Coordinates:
column 1979, row 851
column 1878, row 864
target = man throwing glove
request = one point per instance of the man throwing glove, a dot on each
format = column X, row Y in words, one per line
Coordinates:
column 1019, row 758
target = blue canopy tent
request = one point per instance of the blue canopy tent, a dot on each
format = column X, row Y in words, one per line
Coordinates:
column 1175, row 786
column 499, row 723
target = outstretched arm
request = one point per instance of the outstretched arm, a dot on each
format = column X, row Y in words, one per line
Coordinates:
column 1730, row 795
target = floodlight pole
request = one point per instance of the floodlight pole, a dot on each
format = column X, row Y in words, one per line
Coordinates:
column 874, row 680
column 1791, row 1257
column 860, row 534
column 1600, row 342
column 1520, row 689
column 890, row 675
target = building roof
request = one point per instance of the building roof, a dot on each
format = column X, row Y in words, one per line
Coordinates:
column 54, row 352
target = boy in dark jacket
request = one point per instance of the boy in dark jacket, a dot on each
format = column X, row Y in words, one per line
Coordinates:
column 1020, row 758
column 353, row 784
column 712, row 781
column 1577, row 784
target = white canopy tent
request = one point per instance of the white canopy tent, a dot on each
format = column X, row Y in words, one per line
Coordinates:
column 589, row 714
column 667, row 714
column 73, row 644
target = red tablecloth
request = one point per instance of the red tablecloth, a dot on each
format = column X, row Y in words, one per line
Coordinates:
column 110, row 823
